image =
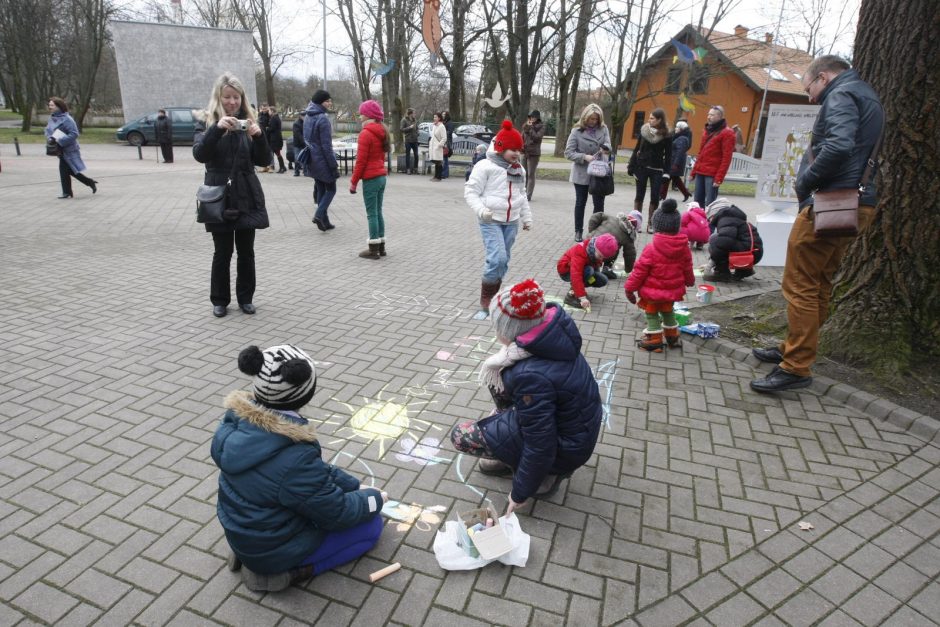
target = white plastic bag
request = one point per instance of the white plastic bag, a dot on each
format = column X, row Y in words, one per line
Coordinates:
column 451, row 556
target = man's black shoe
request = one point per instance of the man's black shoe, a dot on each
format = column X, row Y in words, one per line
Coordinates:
column 779, row 380
column 770, row 355
column 248, row 308
column 219, row 311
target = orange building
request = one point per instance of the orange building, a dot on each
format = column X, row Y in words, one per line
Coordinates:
column 733, row 72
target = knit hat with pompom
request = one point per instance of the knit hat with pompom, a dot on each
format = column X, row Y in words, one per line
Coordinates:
column 284, row 376
column 518, row 309
column 508, row 138
column 667, row 219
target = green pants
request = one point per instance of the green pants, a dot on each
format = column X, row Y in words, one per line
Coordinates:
column 653, row 320
column 373, row 191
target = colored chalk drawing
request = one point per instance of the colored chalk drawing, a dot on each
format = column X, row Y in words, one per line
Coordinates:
column 424, row 452
column 384, row 419
column 384, row 304
column 604, row 375
column 468, row 353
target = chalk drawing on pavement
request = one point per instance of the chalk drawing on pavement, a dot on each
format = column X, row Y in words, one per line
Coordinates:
column 604, row 375
column 383, row 304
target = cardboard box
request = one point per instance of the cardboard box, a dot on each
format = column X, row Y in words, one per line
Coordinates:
column 489, row 543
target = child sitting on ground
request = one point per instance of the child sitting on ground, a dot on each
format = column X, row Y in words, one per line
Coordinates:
column 695, row 225
column 623, row 228
column 287, row 514
column 581, row 264
column 661, row 275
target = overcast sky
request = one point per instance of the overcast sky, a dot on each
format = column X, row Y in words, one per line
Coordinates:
column 300, row 25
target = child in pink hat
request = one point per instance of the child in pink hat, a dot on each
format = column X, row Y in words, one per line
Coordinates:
column 372, row 146
column 581, row 266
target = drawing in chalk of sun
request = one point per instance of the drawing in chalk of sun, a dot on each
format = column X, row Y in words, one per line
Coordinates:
column 424, row 453
column 414, row 515
column 604, row 375
column 384, row 304
column 469, row 353
column 384, row 419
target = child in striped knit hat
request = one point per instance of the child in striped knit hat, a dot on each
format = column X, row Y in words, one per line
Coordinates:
column 287, row 514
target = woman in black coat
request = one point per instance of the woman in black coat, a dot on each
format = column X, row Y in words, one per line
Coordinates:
column 731, row 233
column 651, row 158
column 276, row 139
column 230, row 143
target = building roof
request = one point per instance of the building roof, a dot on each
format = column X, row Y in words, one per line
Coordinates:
column 749, row 57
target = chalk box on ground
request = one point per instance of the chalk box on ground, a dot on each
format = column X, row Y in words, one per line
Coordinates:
column 489, row 543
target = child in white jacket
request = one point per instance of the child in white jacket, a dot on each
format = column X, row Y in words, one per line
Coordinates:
column 496, row 193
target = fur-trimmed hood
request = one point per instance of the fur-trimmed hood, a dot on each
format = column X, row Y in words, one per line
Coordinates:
column 243, row 403
column 652, row 135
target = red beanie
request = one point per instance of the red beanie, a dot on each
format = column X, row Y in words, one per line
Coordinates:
column 508, row 138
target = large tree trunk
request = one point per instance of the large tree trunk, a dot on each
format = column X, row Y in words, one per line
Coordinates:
column 887, row 296
column 569, row 73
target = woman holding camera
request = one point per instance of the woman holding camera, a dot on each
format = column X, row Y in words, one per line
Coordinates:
column 62, row 139
column 230, row 143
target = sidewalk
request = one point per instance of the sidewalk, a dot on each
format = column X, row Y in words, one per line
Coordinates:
column 114, row 369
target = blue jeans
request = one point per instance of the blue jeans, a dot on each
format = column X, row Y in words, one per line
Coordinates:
column 705, row 193
column 498, row 238
column 592, row 278
column 445, row 169
column 324, row 193
column 339, row 547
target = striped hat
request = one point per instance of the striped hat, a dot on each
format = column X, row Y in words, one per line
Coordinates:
column 285, row 377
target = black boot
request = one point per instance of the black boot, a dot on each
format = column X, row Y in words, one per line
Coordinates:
column 382, row 248
column 372, row 252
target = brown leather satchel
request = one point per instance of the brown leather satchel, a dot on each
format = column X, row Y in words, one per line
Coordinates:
column 835, row 212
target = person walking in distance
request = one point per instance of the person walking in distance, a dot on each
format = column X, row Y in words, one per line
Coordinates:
column 843, row 148
column 276, row 138
column 409, row 131
column 163, row 129
column 297, row 138
column 321, row 166
column 62, row 134
column 532, row 133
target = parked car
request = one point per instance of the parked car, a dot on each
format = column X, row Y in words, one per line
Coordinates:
column 348, row 143
column 424, row 133
column 474, row 130
column 140, row 132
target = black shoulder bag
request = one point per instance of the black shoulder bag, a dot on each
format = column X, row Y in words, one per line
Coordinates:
column 212, row 200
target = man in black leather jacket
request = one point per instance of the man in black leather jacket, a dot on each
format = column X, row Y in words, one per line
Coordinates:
column 846, row 130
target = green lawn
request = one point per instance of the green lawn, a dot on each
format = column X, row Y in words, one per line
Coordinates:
column 6, row 114
column 36, row 136
column 621, row 178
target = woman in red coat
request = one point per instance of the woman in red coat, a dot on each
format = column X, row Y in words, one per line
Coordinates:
column 714, row 157
column 373, row 146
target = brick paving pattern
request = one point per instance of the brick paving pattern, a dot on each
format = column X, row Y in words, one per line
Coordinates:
column 113, row 372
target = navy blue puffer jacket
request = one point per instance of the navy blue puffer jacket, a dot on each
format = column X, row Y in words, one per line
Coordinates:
column 277, row 497
column 555, row 417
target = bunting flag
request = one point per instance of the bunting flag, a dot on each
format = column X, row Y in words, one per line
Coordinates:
column 431, row 28
column 685, row 104
column 685, row 53
column 381, row 70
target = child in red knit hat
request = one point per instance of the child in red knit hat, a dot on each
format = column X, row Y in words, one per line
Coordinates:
column 496, row 193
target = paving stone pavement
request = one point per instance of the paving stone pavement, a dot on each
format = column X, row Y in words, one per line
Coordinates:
column 113, row 371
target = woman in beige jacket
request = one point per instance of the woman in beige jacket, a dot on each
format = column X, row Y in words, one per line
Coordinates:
column 436, row 144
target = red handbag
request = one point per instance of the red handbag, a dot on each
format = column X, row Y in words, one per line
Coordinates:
column 744, row 260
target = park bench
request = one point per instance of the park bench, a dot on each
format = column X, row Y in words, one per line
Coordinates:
column 743, row 169
column 461, row 153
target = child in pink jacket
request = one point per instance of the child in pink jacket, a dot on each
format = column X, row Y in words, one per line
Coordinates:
column 661, row 275
column 695, row 225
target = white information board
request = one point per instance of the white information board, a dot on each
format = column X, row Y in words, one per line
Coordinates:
column 786, row 139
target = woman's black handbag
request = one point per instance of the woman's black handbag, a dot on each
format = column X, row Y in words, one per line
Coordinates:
column 53, row 149
column 213, row 200
column 602, row 185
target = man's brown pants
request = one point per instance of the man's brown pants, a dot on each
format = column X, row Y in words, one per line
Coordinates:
column 807, row 285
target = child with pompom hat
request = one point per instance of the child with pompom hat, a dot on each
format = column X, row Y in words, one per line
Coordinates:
column 496, row 192
column 287, row 514
column 661, row 275
column 548, row 407
column 581, row 266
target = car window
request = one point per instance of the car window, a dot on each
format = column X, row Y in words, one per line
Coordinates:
column 182, row 115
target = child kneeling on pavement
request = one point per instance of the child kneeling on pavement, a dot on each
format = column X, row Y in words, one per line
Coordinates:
column 287, row 514
column 548, row 407
column 623, row 228
column 661, row 275
column 581, row 264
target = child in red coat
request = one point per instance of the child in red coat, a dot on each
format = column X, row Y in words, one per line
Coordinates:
column 581, row 264
column 372, row 146
column 695, row 225
column 661, row 275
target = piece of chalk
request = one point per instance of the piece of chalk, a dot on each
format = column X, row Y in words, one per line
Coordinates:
column 384, row 496
column 388, row 570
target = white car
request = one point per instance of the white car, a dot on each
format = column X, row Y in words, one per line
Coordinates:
column 347, row 144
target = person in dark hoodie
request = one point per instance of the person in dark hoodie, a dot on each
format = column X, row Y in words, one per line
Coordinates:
column 650, row 159
column 163, row 130
column 548, row 407
column 276, row 138
column 661, row 275
column 287, row 514
column 681, row 142
column 532, row 133
column 731, row 233
column 321, row 166
column 297, row 140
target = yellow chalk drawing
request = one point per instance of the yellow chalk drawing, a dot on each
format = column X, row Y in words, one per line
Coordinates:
column 383, row 419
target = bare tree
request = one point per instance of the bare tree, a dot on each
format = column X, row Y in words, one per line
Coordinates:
column 29, row 30
column 818, row 26
column 569, row 68
column 359, row 21
column 214, row 14
column 258, row 16
column 87, row 38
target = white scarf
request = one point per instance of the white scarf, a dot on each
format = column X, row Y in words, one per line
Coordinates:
column 494, row 364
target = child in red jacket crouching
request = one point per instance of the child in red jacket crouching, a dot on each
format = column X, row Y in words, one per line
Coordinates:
column 661, row 275
column 581, row 266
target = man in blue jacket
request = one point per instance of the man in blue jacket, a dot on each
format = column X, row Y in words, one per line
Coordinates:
column 321, row 164
column 846, row 131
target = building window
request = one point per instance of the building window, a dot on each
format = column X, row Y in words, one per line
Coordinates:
column 777, row 75
column 639, row 117
column 698, row 80
column 673, row 76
